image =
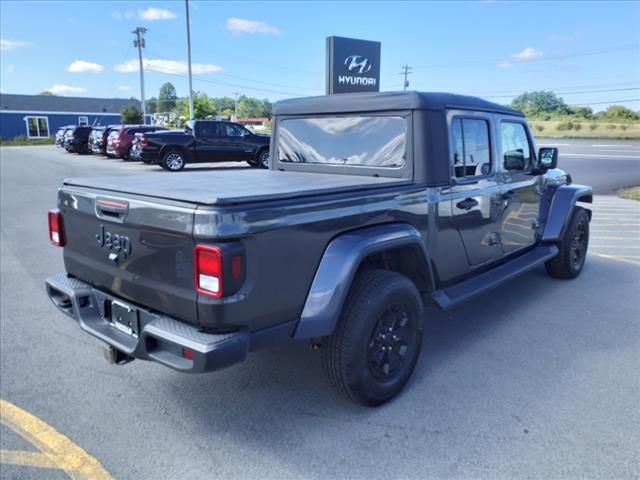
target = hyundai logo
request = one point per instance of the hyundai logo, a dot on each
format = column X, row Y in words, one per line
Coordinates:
column 357, row 64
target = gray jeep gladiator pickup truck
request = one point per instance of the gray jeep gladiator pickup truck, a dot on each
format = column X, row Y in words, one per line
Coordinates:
column 373, row 206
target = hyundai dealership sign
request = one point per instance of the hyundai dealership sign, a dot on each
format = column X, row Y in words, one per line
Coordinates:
column 352, row 65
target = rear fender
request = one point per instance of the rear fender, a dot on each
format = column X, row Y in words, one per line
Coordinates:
column 338, row 267
column 563, row 202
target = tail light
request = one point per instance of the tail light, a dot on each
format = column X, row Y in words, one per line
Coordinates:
column 218, row 271
column 56, row 233
column 144, row 142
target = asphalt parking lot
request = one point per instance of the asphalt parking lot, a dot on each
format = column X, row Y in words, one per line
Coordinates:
column 539, row 380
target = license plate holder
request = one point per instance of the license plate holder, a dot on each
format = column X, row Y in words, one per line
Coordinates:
column 125, row 318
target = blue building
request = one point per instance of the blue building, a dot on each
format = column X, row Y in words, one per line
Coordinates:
column 39, row 116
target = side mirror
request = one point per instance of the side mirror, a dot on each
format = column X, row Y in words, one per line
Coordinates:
column 548, row 157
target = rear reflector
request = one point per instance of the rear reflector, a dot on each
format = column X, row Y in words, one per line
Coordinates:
column 207, row 266
column 56, row 235
column 187, row 353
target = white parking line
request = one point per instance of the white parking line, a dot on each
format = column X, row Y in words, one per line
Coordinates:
column 600, row 156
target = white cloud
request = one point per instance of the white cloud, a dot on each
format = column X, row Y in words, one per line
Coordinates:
column 241, row 25
column 152, row 13
column 6, row 45
column 505, row 64
column 58, row 89
column 80, row 66
column 124, row 88
column 526, row 54
column 167, row 66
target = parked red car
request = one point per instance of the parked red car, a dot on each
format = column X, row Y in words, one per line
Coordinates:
column 120, row 140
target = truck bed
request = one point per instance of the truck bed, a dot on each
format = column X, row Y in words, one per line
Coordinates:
column 228, row 187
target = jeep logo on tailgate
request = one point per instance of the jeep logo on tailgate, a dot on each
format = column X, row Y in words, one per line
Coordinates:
column 114, row 241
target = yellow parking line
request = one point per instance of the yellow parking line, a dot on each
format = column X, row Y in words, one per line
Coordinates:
column 26, row 459
column 62, row 452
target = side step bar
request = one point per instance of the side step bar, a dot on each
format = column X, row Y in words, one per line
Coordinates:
column 452, row 296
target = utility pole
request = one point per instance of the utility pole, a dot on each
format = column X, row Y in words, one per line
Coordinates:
column 139, row 42
column 407, row 70
column 235, row 108
column 186, row 5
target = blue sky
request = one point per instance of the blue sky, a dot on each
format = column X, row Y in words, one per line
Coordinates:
column 588, row 52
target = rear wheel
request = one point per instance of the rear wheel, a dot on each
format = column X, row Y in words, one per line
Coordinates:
column 376, row 344
column 573, row 247
column 173, row 160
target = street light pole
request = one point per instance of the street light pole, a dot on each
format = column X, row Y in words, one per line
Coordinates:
column 139, row 42
column 186, row 5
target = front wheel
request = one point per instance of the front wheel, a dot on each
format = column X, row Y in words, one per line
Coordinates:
column 377, row 342
column 173, row 160
column 263, row 158
column 573, row 247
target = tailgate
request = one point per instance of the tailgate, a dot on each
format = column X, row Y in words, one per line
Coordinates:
column 134, row 247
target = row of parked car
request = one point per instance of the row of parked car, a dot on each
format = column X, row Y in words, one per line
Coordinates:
column 200, row 141
column 115, row 141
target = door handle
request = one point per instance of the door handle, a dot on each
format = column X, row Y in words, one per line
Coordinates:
column 467, row 203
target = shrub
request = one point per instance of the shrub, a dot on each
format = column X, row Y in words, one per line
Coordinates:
column 624, row 127
column 540, row 128
column 565, row 126
column 577, row 126
column 593, row 126
column 611, row 126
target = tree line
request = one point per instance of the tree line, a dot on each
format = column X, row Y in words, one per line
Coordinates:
column 204, row 106
column 546, row 105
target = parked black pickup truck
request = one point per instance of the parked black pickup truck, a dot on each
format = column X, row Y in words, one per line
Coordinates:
column 374, row 204
column 205, row 141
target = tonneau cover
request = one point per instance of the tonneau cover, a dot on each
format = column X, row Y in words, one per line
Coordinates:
column 232, row 186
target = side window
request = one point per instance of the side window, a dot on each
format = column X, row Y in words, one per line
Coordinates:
column 471, row 148
column 83, row 121
column 205, row 129
column 231, row 130
column 516, row 150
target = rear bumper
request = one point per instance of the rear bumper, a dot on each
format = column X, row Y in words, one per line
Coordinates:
column 160, row 338
column 150, row 157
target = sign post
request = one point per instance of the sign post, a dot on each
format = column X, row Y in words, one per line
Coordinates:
column 352, row 65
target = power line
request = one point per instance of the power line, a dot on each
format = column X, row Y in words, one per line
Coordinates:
column 239, row 77
column 532, row 60
column 573, row 93
column 628, row 100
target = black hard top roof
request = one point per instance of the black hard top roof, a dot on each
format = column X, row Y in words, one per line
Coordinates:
column 379, row 101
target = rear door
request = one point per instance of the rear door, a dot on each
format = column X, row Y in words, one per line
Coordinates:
column 475, row 190
column 137, row 248
column 519, row 188
column 207, row 144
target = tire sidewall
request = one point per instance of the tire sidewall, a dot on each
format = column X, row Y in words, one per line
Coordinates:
column 579, row 216
column 165, row 159
column 260, row 162
column 357, row 373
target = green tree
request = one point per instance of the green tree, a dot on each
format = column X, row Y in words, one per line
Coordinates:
column 131, row 115
column 223, row 103
column 618, row 112
column 249, row 107
column 581, row 112
column 152, row 105
column 46, row 93
column 167, row 98
column 535, row 103
column 202, row 106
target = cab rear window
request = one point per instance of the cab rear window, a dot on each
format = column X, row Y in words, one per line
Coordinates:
column 371, row 141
